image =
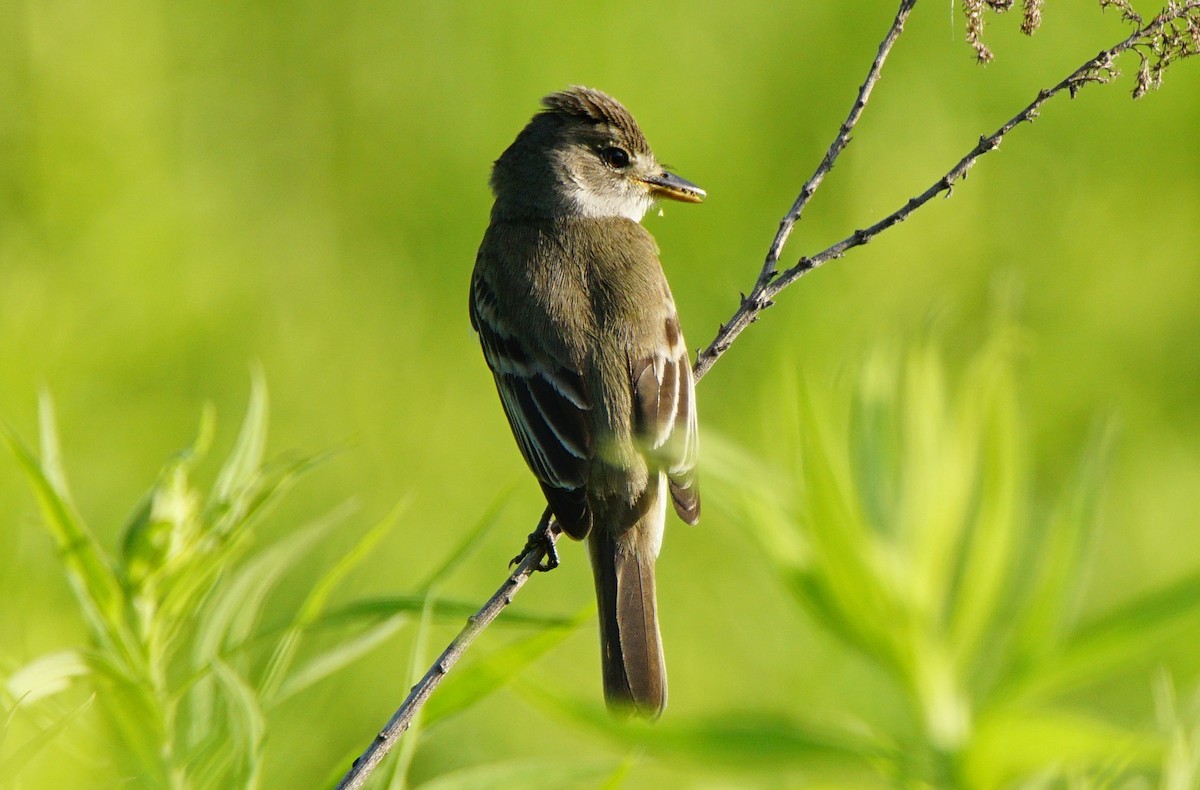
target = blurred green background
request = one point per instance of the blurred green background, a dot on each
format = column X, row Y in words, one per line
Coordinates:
column 187, row 189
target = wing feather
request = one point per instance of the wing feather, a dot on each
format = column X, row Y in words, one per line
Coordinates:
column 546, row 404
column 664, row 404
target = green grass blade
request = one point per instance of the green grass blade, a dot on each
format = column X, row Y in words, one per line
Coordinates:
column 1181, row 728
column 338, row 657
column 232, row 614
column 218, row 553
column 876, row 443
column 470, row 543
column 89, row 571
column 444, row 610
column 159, row 537
column 616, row 778
column 318, row 598
column 848, row 563
column 398, row 779
column 231, row 617
column 1129, row 634
column 210, row 761
column 13, row 764
column 244, row 462
column 752, row 494
column 1052, row 598
column 537, row 774
column 938, row 469
column 468, row 685
column 248, row 725
column 46, row 676
column 745, row 742
column 990, row 551
column 1012, row 742
column 136, row 713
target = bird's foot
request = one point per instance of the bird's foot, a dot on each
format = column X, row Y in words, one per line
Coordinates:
column 542, row 537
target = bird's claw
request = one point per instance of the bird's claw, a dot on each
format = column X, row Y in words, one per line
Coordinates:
column 542, row 537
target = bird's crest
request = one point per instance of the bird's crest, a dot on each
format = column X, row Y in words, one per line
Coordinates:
column 597, row 107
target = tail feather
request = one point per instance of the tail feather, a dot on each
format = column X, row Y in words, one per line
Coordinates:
column 635, row 678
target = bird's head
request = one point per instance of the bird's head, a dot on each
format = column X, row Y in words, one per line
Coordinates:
column 584, row 155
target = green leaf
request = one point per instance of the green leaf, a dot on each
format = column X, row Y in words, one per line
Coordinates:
column 1011, row 742
column 753, row 742
column 247, row 722
column 875, row 441
column 1125, row 636
column 991, row 548
column 1181, row 763
column 89, row 571
column 163, row 528
column 402, row 762
column 616, row 779
column 46, row 676
column 752, row 494
column 338, row 657
column 285, row 650
column 136, row 713
column 242, row 467
column 938, row 470
column 231, row 615
column 526, row 774
column 443, row 609
column 1051, row 599
column 14, row 763
column 218, row 552
column 466, row 686
column 473, row 540
column 847, row 563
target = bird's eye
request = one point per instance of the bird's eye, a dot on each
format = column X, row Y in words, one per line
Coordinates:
column 616, row 158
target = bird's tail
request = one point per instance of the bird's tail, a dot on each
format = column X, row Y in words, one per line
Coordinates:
column 635, row 675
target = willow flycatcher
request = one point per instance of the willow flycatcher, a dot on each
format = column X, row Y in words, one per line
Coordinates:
column 579, row 328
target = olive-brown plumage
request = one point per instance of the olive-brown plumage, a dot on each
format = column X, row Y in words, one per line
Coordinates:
column 580, row 331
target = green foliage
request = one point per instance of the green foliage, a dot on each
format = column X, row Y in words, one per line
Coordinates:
column 915, row 537
column 179, row 660
column 173, row 619
column 907, row 527
column 185, row 186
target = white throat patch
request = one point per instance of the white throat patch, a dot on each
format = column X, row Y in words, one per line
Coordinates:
column 631, row 205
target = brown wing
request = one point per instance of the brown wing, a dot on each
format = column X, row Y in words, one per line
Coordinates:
column 546, row 402
column 664, row 405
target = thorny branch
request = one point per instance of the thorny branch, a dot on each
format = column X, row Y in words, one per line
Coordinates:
column 1170, row 36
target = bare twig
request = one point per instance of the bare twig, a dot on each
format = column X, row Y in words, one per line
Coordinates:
column 402, row 718
column 1100, row 69
column 768, row 285
column 531, row 560
column 758, row 300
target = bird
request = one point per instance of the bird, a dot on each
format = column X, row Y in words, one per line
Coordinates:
column 579, row 328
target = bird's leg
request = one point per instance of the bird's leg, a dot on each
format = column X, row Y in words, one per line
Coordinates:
column 543, row 536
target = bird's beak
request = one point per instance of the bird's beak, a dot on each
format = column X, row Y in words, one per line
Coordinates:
column 671, row 186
